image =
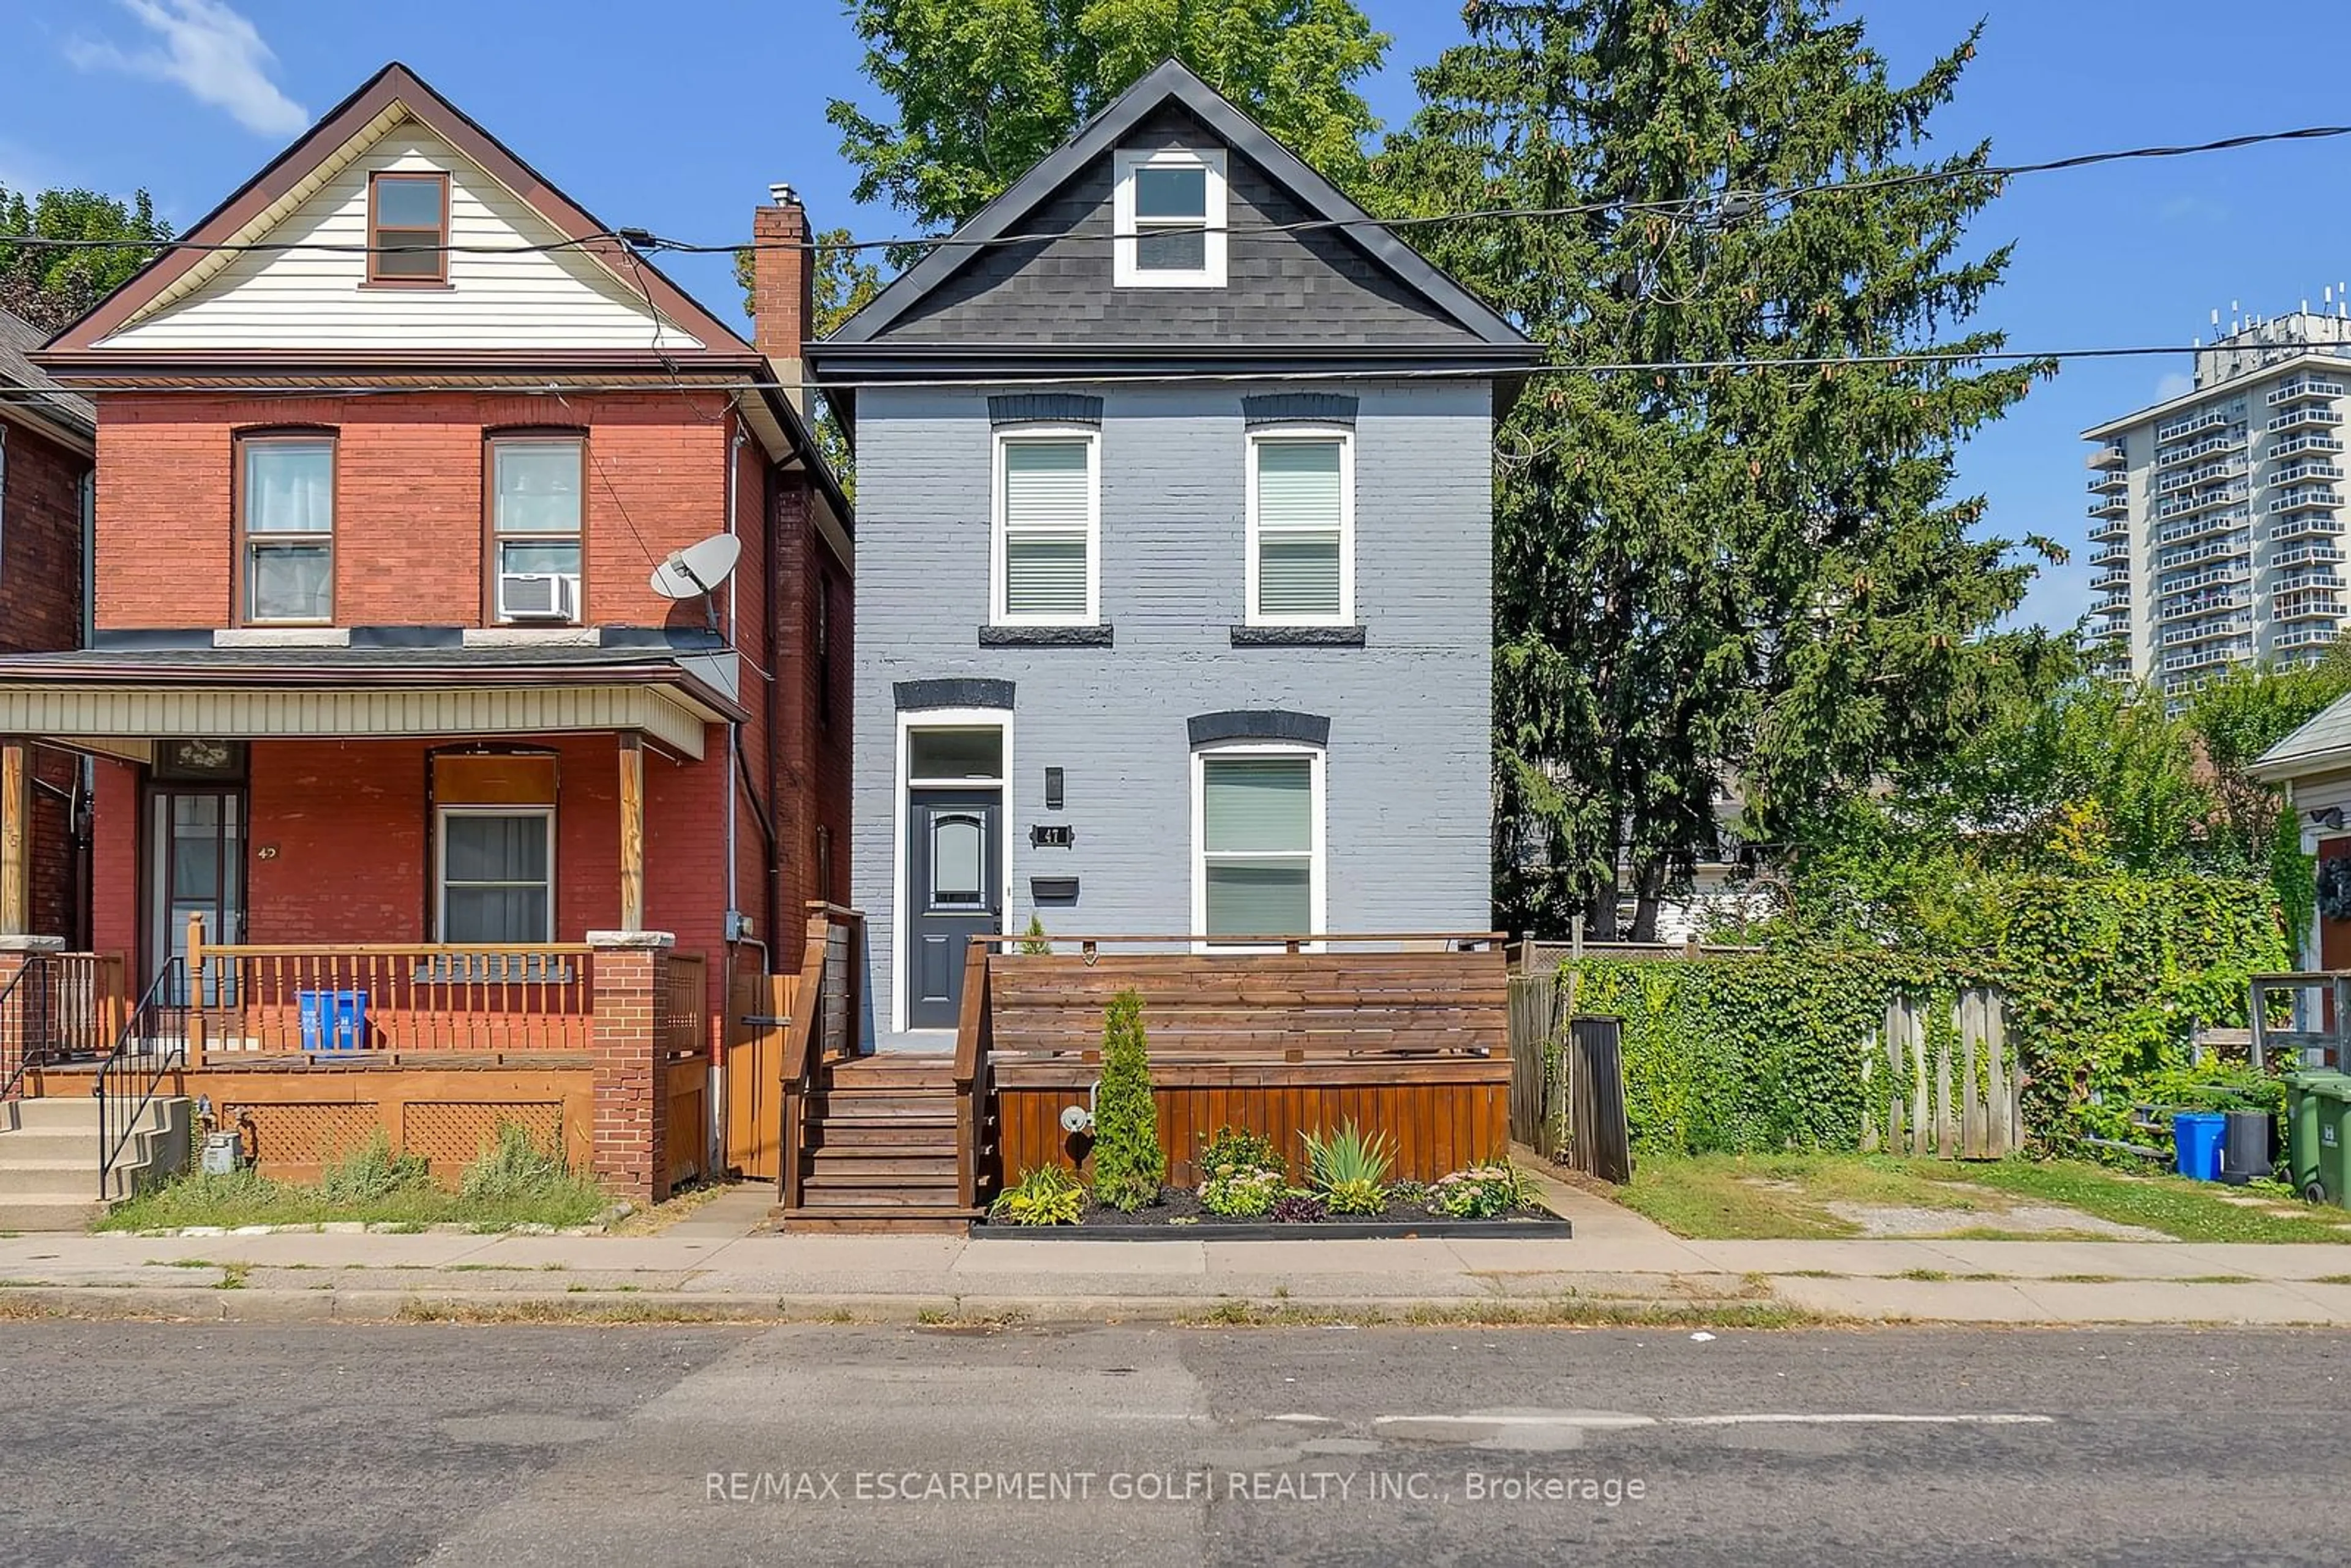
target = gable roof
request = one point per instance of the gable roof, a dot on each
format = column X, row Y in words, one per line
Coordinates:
column 1484, row 337
column 2323, row 745
column 393, row 95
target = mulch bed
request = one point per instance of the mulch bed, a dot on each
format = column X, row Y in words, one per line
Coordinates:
column 1179, row 1214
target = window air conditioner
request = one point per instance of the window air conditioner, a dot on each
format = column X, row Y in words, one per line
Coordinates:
column 539, row 596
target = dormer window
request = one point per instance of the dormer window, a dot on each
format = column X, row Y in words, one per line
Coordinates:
column 1169, row 216
column 408, row 228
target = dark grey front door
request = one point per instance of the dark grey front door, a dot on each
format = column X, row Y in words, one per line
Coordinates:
column 953, row 875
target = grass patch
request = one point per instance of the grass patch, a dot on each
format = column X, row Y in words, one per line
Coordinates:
column 1787, row 1196
column 232, row 1276
column 1932, row 1275
column 512, row 1183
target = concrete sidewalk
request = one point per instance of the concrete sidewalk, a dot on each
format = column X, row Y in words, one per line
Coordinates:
column 723, row 1262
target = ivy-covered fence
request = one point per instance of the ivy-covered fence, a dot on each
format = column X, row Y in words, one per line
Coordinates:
column 2105, row 978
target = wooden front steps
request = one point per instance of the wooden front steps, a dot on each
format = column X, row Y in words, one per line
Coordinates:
column 881, row 1148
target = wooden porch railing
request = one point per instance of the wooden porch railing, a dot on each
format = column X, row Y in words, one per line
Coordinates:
column 975, row 1035
column 332, row 999
column 89, row 1000
column 823, row 1024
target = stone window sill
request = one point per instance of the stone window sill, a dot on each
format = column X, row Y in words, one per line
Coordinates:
column 1045, row 636
column 1298, row 636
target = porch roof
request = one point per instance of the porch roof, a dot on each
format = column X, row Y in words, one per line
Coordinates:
column 119, row 700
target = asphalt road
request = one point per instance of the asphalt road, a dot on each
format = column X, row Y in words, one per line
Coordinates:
column 132, row 1443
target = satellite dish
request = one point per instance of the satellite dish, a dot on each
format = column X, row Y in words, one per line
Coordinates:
column 698, row 568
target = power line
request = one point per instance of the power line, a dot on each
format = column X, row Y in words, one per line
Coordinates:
column 1728, row 204
column 1926, row 355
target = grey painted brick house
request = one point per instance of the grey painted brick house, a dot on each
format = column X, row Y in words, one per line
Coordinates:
column 1173, row 598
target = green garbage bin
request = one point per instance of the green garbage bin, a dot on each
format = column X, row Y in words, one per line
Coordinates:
column 2318, row 1135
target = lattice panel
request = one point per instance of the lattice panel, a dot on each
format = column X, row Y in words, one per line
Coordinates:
column 309, row 1134
column 452, row 1136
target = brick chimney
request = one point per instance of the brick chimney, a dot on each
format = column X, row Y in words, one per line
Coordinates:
column 783, row 287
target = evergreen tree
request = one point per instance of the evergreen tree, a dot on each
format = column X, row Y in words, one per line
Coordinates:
column 1129, row 1163
column 1709, row 579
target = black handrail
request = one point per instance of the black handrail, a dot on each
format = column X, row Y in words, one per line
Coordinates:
column 25, row 1022
column 155, row 1041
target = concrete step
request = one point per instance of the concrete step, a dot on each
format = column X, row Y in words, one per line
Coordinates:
column 59, row 1144
column 51, row 1114
column 23, row 1214
column 858, row 1221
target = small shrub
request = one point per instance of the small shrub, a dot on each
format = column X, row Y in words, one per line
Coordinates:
column 1298, row 1207
column 1045, row 1194
column 1033, row 941
column 1409, row 1192
column 513, row 1167
column 1231, row 1148
column 1482, row 1192
column 371, row 1172
column 1129, row 1163
column 1346, row 1155
column 1355, row 1198
column 1242, row 1192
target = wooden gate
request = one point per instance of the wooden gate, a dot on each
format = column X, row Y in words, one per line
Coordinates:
column 1922, row 1098
column 758, row 1007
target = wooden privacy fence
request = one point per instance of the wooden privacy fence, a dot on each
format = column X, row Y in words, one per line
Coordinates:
column 1567, row 1080
column 1403, row 1035
column 1952, row 1093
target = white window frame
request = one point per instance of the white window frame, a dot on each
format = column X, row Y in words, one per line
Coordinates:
column 1124, row 272
column 1318, row 856
column 441, row 860
column 998, row 578
column 995, row 719
column 1272, row 435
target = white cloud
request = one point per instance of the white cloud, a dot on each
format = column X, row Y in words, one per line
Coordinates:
column 2174, row 385
column 210, row 50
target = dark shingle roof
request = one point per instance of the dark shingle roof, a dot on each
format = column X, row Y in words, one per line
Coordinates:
column 18, row 337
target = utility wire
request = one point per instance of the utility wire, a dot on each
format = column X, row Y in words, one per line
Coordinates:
column 1927, row 355
column 1730, row 205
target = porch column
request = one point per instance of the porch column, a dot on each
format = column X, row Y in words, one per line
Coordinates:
column 632, row 832
column 630, row 971
column 15, row 839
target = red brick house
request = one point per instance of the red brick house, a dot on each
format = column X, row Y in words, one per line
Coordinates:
column 401, row 756
column 47, row 445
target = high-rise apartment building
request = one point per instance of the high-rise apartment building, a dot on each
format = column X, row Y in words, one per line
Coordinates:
column 2217, row 517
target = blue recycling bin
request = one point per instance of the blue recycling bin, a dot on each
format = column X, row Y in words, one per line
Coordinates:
column 2195, row 1139
column 332, row 1020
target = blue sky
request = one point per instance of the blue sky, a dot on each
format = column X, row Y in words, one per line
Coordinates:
column 676, row 116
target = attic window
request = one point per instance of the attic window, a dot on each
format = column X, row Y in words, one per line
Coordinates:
column 408, row 228
column 1169, row 217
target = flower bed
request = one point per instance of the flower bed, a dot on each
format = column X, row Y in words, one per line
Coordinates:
column 1247, row 1195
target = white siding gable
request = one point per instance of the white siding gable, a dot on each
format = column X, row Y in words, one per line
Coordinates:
column 318, row 299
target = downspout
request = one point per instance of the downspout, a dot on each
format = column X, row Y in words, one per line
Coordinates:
column 734, row 727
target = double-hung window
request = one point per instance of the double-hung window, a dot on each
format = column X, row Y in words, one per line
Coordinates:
column 1168, row 219
column 1301, row 528
column 285, row 509
column 1258, row 837
column 497, row 876
column 408, row 228
column 536, row 483
column 1048, row 528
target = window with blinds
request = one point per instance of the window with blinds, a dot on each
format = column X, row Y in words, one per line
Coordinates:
column 1045, row 532
column 1301, row 508
column 1257, row 870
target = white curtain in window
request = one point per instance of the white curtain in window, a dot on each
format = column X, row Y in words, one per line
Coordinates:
column 289, row 487
column 1300, row 510
column 1047, row 500
column 539, row 488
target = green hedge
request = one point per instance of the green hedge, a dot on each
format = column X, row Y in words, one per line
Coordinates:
column 2104, row 977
